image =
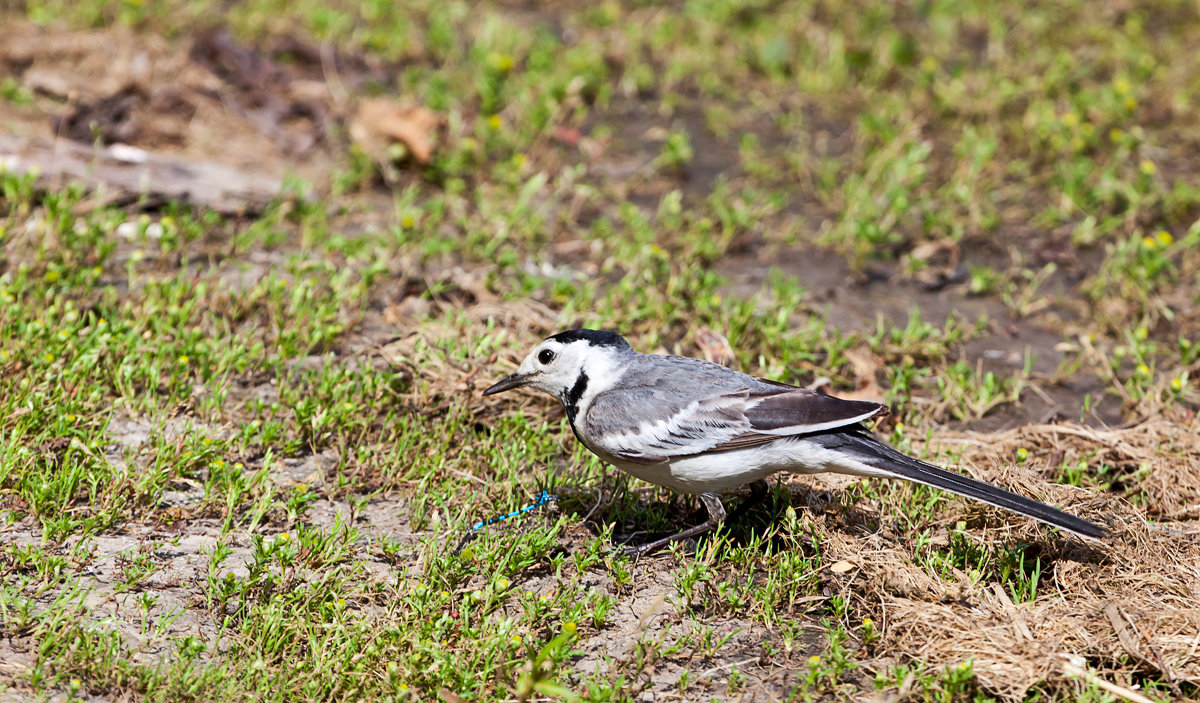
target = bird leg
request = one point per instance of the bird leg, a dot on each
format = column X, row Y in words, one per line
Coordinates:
column 716, row 515
column 758, row 491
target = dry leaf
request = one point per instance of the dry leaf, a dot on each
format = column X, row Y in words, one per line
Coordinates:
column 567, row 135
column 715, row 346
column 841, row 567
column 865, row 365
column 380, row 122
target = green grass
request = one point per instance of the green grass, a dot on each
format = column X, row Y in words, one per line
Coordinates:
column 311, row 440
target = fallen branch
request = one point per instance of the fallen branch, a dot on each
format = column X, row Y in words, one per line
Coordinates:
column 121, row 173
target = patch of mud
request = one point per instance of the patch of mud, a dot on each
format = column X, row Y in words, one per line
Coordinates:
column 861, row 303
column 628, row 160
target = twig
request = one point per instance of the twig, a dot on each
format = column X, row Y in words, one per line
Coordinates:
column 333, row 80
column 1162, row 665
column 730, row 665
column 1016, row 617
column 599, row 500
column 469, row 477
column 1118, row 691
column 1117, row 619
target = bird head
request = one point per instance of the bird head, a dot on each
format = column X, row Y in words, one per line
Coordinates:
column 561, row 365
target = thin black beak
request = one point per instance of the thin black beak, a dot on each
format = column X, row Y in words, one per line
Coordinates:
column 514, row 381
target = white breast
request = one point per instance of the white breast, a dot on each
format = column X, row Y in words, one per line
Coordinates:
column 603, row 373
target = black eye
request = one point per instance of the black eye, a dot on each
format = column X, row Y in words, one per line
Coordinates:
column 545, row 356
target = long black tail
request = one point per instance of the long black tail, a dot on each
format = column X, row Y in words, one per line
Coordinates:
column 877, row 454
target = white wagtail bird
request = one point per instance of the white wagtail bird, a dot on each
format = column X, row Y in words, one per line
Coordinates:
column 701, row 428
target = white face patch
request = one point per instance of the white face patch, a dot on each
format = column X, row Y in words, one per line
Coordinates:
column 555, row 368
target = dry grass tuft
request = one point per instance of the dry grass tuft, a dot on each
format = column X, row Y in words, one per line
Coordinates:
column 1118, row 610
column 1157, row 462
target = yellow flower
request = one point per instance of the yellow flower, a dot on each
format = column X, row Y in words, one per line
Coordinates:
column 1164, row 238
column 1149, row 243
column 516, row 639
column 1143, row 370
column 48, row 357
column 929, row 64
column 570, row 627
column 1176, row 385
column 494, row 122
column 1147, row 167
column 518, row 160
column 52, row 276
column 501, row 63
column 1130, row 104
column 183, row 360
column 1069, row 119
column 407, row 222
column 341, row 602
column 502, row 584
column 814, row 659
column 283, row 537
column 867, row 622
column 1121, row 86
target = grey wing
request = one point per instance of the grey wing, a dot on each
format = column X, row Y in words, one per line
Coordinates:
column 656, row 416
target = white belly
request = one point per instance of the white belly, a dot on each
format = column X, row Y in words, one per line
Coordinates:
column 718, row 472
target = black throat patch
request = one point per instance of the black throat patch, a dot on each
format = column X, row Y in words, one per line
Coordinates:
column 573, row 396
